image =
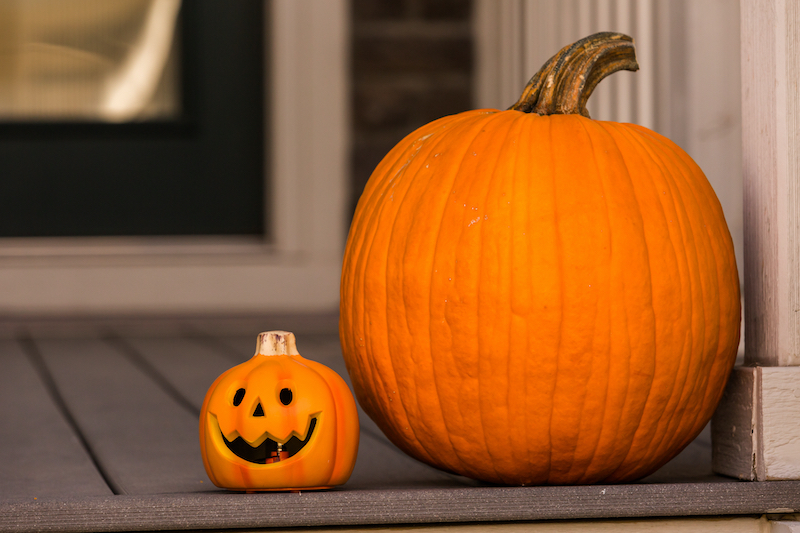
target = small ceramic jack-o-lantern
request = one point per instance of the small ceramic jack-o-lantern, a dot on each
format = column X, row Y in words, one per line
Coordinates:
column 279, row 422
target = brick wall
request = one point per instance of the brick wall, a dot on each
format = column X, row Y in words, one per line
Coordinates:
column 412, row 63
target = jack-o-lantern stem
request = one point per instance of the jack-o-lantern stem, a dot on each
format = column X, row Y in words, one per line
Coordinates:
column 563, row 85
column 276, row 343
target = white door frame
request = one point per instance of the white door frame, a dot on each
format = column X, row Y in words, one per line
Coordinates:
column 297, row 269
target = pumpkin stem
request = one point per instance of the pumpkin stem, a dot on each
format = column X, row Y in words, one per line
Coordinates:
column 276, row 343
column 563, row 85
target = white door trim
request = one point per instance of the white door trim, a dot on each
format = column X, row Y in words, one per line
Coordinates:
column 296, row 269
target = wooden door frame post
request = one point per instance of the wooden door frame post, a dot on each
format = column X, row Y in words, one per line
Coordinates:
column 756, row 430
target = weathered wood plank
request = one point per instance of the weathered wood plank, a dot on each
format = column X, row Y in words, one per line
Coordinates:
column 734, row 427
column 224, row 510
column 190, row 367
column 770, row 41
column 779, row 424
column 41, row 456
column 144, row 441
column 757, row 425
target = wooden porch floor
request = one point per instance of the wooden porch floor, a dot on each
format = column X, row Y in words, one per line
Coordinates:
column 98, row 432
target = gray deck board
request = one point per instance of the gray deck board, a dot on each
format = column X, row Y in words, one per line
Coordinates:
column 134, row 399
column 410, row 506
column 144, row 441
column 42, row 456
column 189, row 366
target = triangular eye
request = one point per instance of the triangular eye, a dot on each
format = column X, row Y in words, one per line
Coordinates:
column 259, row 410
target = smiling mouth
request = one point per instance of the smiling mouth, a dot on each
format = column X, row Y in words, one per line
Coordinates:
column 269, row 451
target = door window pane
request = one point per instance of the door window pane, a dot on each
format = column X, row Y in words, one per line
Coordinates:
column 132, row 117
column 93, row 60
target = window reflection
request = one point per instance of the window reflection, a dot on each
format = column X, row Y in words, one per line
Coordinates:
column 89, row 60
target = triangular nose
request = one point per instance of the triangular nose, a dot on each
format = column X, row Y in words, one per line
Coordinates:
column 259, row 410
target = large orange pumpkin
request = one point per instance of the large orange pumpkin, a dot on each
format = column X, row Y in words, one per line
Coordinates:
column 530, row 296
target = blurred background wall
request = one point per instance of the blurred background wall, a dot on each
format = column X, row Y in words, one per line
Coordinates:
column 412, row 62
column 336, row 84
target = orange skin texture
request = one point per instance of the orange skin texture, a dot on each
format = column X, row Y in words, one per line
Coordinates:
column 539, row 299
column 326, row 460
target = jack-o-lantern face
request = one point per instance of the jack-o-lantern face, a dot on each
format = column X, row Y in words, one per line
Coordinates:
column 278, row 422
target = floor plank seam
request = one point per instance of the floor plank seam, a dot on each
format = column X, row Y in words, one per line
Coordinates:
column 219, row 346
column 31, row 351
column 139, row 361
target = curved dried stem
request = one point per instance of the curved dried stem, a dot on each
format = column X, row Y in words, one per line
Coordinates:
column 566, row 81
